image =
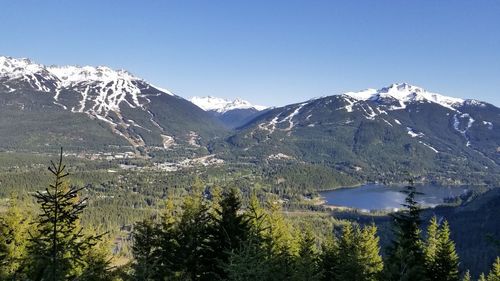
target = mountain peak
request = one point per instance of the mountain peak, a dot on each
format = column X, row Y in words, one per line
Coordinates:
column 403, row 87
column 13, row 68
column 77, row 74
column 221, row 105
column 405, row 93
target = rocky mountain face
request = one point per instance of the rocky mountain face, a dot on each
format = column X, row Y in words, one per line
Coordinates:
column 232, row 113
column 400, row 128
column 94, row 107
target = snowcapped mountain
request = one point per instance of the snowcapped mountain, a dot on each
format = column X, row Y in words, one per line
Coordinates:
column 370, row 132
column 403, row 94
column 113, row 86
column 232, row 113
column 392, row 127
column 135, row 110
column 221, row 105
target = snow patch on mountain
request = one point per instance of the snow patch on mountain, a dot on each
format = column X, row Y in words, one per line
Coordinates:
column 403, row 94
column 370, row 113
column 351, row 101
column 473, row 102
column 289, row 118
column 367, row 94
column 489, row 124
column 413, row 134
column 17, row 68
column 36, row 75
column 271, row 125
column 387, row 122
column 429, row 146
column 221, row 105
column 71, row 75
column 166, row 91
column 456, row 125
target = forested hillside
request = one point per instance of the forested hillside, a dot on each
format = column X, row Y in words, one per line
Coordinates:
column 215, row 234
column 374, row 133
column 250, row 140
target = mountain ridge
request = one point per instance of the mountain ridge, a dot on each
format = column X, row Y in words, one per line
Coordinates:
column 232, row 113
column 378, row 134
column 222, row 105
column 370, row 135
column 132, row 108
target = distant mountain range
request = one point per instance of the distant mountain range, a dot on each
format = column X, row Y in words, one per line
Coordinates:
column 221, row 105
column 374, row 133
column 232, row 113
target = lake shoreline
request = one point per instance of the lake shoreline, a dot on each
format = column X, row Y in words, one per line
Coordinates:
column 386, row 198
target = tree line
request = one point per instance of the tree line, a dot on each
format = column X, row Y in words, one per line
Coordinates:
column 211, row 235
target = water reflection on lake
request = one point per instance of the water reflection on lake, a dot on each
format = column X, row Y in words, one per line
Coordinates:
column 381, row 197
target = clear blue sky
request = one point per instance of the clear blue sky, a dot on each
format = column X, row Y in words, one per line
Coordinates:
column 267, row 51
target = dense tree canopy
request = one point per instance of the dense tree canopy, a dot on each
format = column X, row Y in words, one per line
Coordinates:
column 213, row 234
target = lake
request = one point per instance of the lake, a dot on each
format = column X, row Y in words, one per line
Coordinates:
column 381, row 197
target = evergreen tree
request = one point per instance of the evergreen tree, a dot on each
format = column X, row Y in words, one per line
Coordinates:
column 494, row 274
column 258, row 221
column 251, row 260
column 248, row 263
column 58, row 246
column 216, row 196
column 330, row 259
column 14, row 227
column 194, row 237
column 347, row 265
column 440, row 255
column 359, row 254
column 369, row 260
column 167, row 262
column 482, row 277
column 98, row 265
column 467, row 276
column 430, row 249
column 406, row 259
column 144, row 249
column 306, row 265
column 446, row 260
column 431, row 243
column 281, row 244
column 230, row 230
column 232, row 225
column 283, row 236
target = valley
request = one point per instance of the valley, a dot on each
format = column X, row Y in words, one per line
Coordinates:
column 132, row 147
column 249, row 140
